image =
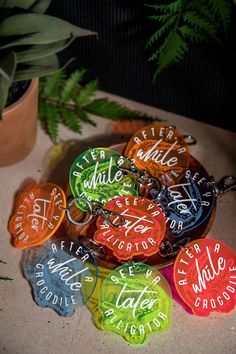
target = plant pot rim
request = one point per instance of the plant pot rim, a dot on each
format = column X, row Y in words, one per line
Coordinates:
column 14, row 105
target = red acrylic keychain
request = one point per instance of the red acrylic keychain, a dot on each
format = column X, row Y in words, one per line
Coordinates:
column 205, row 276
column 37, row 214
column 143, row 230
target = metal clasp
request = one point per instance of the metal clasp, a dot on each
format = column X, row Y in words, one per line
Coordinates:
column 93, row 209
column 128, row 167
column 168, row 250
column 225, row 184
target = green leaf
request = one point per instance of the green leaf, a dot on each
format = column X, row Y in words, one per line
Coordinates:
column 7, row 71
column 82, row 115
column 40, row 6
column 190, row 33
column 161, row 31
column 37, row 29
column 52, row 121
column 22, row 4
column 70, row 86
column 200, row 24
column 52, row 85
column 69, row 118
column 105, row 108
column 171, row 8
column 40, row 67
column 41, row 51
column 222, row 8
column 87, row 93
column 170, row 52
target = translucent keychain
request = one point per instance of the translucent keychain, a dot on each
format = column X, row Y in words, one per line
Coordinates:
column 205, row 276
column 161, row 151
column 38, row 212
column 135, row 302
column 95, row 176
column 141, row 233
column 62, row 274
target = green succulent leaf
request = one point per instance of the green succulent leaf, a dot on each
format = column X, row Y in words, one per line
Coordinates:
column 35, row 29
column 40, row 6
column 22, row 4
column 7, row 71
column 41, row 51
column 40, row 67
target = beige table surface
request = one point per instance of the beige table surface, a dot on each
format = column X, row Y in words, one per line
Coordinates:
column 26, row 328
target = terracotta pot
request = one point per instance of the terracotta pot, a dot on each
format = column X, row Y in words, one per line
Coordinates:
column 18, row 127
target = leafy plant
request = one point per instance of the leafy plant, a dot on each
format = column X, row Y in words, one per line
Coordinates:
column 30, row 41
column 181, row 22
column 3, row 277
column 66, row 101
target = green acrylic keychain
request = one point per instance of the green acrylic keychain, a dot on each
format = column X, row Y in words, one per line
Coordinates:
column 135, row 302
column 94, row 175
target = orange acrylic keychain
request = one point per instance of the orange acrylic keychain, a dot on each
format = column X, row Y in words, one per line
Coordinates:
column 161, row 151
column 38, row 212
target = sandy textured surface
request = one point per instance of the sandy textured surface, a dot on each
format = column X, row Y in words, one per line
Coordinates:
column 26, row 328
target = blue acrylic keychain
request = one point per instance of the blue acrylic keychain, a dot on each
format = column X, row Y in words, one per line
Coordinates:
column 61, row 274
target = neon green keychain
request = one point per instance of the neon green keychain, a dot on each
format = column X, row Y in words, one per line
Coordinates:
column 135, row 301
column 95, row 176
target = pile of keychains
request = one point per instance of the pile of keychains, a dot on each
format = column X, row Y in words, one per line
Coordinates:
column 126, row 218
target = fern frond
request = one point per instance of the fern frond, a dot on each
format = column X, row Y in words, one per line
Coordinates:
column 70, row 119
column 83, row 115
column 87, row 93
column 53, row 121
column 70, row 84
column 222, row 9
column 105, row 108
column 161, row 31
column 170, row 52
column 5, row 278
column 199, row 23
column 170, row 8
column 52, row 83
column 189, row 33
column 75, row 105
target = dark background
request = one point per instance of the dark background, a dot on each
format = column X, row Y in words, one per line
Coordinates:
column 200, row 87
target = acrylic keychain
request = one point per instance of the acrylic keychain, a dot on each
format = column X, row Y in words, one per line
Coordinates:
column 140, row 235
column 161, row 151
column 135, row 302
column 39, row 211
column 62, row 273
column 205, row 276
column 95, row 176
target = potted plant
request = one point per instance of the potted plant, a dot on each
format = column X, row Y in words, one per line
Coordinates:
column 29, row 43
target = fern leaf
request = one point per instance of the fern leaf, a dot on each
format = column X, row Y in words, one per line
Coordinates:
column 70, row 119
column 200, row 24
column 70, row 84
column 105, row 108
column 87, row 93
column 222, row 8
column 189, row 33
column 171, row 51
column 171, row 8
column 161, row 31
column 52, row 121
column 5, row 278
column 84, row 117
column 52, row 83
column 1, row 261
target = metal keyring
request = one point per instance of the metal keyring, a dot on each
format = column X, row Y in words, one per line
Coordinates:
column 87, row 220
